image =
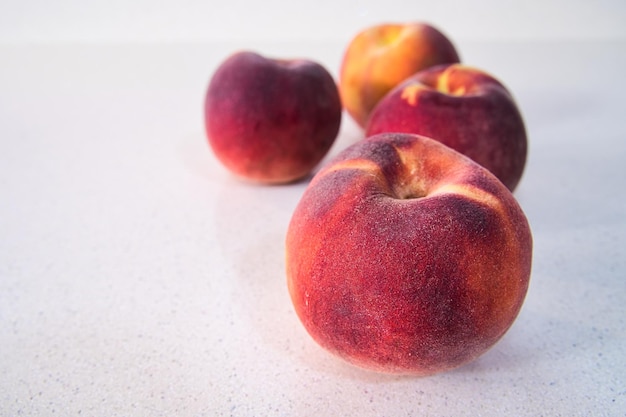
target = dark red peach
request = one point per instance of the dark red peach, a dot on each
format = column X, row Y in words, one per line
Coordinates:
column 270, row 120
column 463, row 108
column 404, row 256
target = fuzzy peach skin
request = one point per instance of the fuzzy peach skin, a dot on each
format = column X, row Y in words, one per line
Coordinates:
column 465, row 108
column 271, row 120
column 380, row 57
column 404, row 256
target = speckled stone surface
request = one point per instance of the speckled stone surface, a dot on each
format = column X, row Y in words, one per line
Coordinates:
column 138, row 278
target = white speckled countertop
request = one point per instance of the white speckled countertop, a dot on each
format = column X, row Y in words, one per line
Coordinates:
column 138, row 278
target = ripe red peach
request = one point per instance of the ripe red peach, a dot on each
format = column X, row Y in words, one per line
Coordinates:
column 464, row 108
column 380, row 57
column 404, row 256
column 271, row 120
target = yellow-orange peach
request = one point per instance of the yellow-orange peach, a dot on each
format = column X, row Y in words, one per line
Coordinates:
column 271, row 120
column 380, row 57
column 464, row 108
column 404, row 256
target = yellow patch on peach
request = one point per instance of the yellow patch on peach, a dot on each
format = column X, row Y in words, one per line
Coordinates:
column 471, row 193
column 445, row 85
column 386, row 35
column 410, row 92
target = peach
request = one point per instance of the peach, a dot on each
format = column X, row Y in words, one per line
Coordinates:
column 405, row 256
column 464, row 108
column 271, row 120
column 380, row 57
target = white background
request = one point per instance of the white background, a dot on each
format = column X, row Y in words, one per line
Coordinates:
column 209, row 20
column 139, row 278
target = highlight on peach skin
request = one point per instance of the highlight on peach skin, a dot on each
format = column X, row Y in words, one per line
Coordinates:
column 271, row 120
column 466, row 109
column 404, row 256
column 380, row 57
